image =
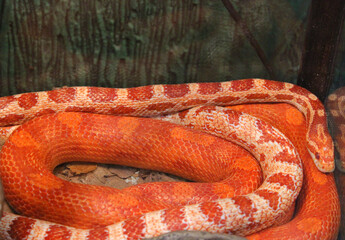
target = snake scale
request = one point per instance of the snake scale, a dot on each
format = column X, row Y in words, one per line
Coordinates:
column 59, row 122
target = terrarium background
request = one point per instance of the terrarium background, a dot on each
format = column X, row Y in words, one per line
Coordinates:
column 123, row 43
column 46, row 44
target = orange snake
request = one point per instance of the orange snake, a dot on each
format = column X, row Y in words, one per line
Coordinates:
column 280, row 188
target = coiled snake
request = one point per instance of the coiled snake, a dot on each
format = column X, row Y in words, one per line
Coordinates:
column 59, row 133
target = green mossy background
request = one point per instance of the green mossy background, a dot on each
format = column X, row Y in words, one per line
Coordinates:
column 126, row 43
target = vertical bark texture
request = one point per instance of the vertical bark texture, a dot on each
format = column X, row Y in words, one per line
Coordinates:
column 323, row 34
column 126, row 43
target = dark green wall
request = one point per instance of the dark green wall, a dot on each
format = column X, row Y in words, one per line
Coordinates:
column 122, row 43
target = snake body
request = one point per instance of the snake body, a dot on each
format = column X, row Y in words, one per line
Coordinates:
column 335, row 105
column 317, row 213
column 240, row 214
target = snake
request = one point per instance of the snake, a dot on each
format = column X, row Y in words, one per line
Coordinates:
column 198, row 106
column 335, row 105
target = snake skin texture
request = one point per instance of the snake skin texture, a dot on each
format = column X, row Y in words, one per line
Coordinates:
column 58, row 134
column 317, row 214
column 335, row 105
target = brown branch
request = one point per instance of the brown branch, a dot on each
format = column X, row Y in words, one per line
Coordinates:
column 322, row 39
column 238, row 19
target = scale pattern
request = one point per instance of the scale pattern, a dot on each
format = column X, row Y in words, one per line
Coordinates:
column 317, row 214
column 335, row 105
column 157, row 100
column 275, row 196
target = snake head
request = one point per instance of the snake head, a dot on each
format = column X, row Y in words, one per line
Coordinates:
column 324, row 158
